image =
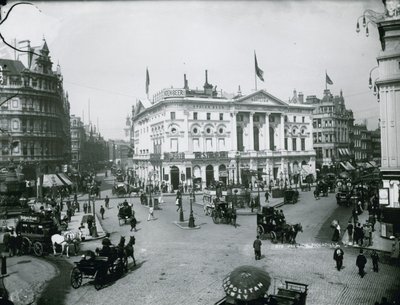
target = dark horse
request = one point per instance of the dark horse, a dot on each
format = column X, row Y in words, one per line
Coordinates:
column 129, row 251
column 290, row 232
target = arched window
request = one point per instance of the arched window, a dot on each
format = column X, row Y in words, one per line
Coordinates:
column 239, row 131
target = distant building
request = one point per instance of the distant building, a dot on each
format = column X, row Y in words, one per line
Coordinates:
column 376, row 145
column 78, row 138
column 332, row 125
column 94, row 153
column 34, row 112
column 362, row 143
column 197, row 137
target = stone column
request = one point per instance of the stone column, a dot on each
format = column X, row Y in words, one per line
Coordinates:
column 282, row 133
column 233, row 144
column 266, row 132
column 251, row 132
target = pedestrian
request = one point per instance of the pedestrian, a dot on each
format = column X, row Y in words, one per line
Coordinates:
column 179, row 203
column 90, row 224
column 362, row 235
column 151, row 214
column 133, row 222
column 107, row 202
column 336, row 233
column 359, row 207
column 85, row 207
column 361, row 262
column 338, row 257
column 6, row 241
column 102, row 211
column 267, row 197
column 257, row 248
column 61, row 205
column 368, row 234
column 355, row 216
column 234, row 216
column 350, row 228
column 69, row 214
column 77, row 205
column 375, row 260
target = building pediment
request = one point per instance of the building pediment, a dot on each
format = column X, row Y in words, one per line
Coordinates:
column 260, row 97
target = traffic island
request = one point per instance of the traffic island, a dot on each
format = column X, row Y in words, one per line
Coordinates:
column 185, row 225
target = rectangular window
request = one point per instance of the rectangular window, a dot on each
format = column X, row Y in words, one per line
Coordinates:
column 303, row 119
column 315, row 139
column 271, row 118
column 286, row 147
column 208, row 144
column 174, row 145
column 294, row 118
column 208, row 116
column 221, row 116
column 221, row 144
column 327, row 153
column 319, row 123
column 196, row 146
column 294, row 144
column 303, row 144
column 172, row 115
column 256, row 118
column 194, row 115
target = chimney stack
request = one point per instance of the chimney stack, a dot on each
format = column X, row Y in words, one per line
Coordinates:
column 301, row 98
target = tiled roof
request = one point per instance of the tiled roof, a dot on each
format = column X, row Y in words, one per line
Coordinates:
column 12, row 66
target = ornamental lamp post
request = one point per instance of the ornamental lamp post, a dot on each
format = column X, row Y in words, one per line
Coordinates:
column 94, row 228
column 191, row 218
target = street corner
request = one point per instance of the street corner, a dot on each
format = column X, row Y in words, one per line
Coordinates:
column 185, row 225
column 27, row 277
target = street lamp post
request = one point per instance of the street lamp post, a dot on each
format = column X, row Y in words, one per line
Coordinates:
column 94, row 232
column 191, row 218
column 237, row 167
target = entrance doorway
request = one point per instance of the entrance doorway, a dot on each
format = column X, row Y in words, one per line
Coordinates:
column 223, row 174
column 175, row 177
column 209, row 174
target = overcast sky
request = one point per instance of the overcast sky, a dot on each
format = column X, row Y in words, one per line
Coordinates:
column 104, row 47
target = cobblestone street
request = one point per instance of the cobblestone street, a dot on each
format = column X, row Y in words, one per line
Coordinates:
column 187, row 266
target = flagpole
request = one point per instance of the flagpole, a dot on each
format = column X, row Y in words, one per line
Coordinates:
column 255, row 79
column 255, row 71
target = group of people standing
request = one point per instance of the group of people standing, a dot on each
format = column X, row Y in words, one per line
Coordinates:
column 361, row 261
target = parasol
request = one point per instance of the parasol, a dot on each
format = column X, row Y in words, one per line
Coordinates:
column 247, row 283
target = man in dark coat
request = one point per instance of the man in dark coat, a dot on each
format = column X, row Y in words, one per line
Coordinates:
column 375, row 260
column 257, row 248
column 361, row 262
column 102, row 211
column 338, row 257
column 350, row 228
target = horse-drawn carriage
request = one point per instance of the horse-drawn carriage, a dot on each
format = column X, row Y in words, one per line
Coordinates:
column 290, row 196
column 272, row 224
column 36, row 231
column 119, row 189
column 124, row 212
column 108, row 263
column 321, row 189
column 223, row 212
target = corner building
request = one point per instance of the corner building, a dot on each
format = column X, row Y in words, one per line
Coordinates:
column 196, row 136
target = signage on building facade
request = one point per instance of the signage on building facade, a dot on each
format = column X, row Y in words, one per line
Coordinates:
column 169, row 93
column 211, row 155
column 384, row 196
column 172, row 156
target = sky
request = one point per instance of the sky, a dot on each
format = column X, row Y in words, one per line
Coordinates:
column 104, row 48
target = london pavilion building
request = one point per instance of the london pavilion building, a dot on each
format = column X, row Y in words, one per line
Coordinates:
column 195, row 137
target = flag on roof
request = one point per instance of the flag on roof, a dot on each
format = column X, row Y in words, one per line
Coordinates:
column 328, row 79
column 259, row 72
column 147, row 81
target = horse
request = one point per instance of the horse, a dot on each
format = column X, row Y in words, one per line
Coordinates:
column 65, row 240
column 129, row 251
column 290, row 232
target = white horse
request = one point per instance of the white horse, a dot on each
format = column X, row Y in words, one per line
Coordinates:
column 65, row 240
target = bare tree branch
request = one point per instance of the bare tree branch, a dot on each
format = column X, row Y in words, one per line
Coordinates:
column 12, row 7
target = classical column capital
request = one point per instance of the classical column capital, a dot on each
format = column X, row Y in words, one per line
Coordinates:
column 251, row 113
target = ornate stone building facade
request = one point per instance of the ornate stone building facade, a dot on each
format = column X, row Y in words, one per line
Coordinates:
column 34, row 116
column 195, row 137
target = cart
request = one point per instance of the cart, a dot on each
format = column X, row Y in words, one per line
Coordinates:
column 270, row 224
column 99, row 268
column 222, row 213
column 290, row 196
column 36, row 231
column 124, row 212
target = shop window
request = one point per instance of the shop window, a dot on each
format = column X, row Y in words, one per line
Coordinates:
column 194, row 115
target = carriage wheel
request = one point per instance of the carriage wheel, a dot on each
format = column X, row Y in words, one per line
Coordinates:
column 273, row 236
column 76, row 278
column 25, row 245
column 38, row 248
column 215, row 218
column 260, row 230
column 98, row 281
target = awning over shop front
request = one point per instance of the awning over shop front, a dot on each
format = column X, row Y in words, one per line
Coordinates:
column 50, row 180
column 351, row 167
column 64, row 179
column 347, row 166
